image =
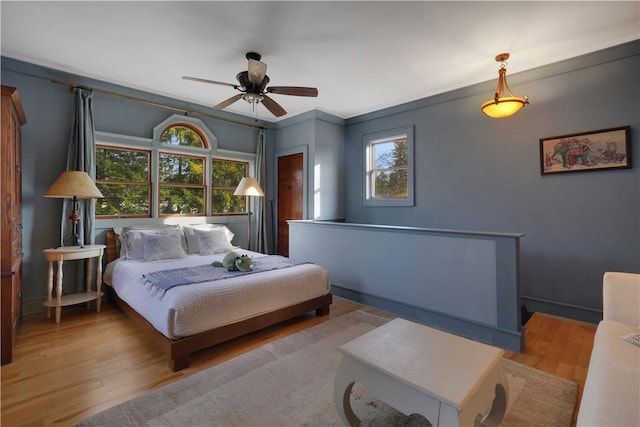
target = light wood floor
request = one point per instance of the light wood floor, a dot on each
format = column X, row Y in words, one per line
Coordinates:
column 65, row 372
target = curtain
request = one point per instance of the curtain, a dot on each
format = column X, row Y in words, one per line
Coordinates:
column 261, row 230
column 81, row 156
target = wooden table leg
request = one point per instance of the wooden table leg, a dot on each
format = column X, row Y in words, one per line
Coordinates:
column 342, row 395
column 49, row 288
column 59, row 291
column 89, row 277
column 99, row 283
column 499, row 406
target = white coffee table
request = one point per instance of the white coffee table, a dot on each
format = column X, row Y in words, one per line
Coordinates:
column 450, row 380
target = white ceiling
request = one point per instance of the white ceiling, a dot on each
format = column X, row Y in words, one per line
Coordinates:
column 362, row 56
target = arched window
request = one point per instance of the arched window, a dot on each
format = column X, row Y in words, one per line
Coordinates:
column 184, row 135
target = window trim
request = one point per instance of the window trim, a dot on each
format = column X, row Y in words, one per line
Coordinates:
column 367, row 141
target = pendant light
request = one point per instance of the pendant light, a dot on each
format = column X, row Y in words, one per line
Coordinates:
column 504, row 104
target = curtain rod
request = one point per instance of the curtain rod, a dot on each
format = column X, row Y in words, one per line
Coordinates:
column 154, row 104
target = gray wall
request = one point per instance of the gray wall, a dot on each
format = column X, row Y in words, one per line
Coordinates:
column 477, row 173
column 328, row 170
column 320, row 137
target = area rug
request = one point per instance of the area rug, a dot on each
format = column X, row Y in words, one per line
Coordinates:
column 289, row 382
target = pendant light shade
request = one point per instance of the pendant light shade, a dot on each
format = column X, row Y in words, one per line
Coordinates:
column 504, row 103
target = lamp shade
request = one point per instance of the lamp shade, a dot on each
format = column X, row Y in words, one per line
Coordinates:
column 248, row 187
column 72, row 184
column 503, row 107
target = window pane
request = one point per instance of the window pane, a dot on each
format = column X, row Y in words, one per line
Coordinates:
column 225, row 202
column 181, row 135
column 122, row 165
column 181, row 201
column 123, row 199
column 123, row 177
column 390, row 154
column 226, row 173
column 181, row 169
column 390, row 184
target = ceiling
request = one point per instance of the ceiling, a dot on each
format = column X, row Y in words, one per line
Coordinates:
column 362, row 56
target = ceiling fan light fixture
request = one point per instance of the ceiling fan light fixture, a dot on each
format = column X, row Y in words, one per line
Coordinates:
column 504, row 103
column 252, row 98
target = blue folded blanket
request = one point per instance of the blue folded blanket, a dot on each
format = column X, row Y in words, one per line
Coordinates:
column 159, row 282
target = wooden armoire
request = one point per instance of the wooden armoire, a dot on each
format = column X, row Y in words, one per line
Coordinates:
column 10, row 219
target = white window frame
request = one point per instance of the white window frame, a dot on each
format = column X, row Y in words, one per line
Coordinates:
column 389, row 135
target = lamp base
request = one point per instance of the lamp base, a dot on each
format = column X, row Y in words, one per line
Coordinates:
column 74, row 218
column 72, row 238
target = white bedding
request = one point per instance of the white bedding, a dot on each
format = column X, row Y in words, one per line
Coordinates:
column 188, row 310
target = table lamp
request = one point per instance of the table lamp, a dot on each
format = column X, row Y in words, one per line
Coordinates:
column 249, row 187
column 74, row 185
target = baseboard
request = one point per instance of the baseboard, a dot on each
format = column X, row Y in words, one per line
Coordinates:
column 499, row 337
column 33, row 306
column 570, row 311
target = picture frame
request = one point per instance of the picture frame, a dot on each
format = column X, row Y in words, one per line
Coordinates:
column 586, row 151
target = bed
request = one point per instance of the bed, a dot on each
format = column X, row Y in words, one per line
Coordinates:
column 185, row 319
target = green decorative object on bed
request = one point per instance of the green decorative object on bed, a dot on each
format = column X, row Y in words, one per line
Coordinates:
column 233, row 261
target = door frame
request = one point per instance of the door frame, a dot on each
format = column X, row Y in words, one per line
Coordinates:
column 304, row 150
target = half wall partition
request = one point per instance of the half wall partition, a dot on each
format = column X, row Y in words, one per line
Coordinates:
column 463, row 282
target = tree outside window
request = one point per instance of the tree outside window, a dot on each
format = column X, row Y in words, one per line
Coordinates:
column 226, row 174
column 182, row 186
column 389, row 173
column 123, row 177
column 182, row 135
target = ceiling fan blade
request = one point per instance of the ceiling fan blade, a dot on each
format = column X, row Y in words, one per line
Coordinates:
column 257, row 71
column 227, row 102
column 197, row 79
column 293, row 90
column 273, row 106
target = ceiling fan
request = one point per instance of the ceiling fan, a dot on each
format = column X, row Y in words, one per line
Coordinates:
column 253, row 87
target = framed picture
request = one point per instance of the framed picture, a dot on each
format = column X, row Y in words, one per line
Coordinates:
column 586, row 151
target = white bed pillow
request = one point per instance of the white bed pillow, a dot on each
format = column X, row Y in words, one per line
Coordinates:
column 130, row 239
column 119, row 242
column 192, row 240
column 165, row 244
column 212, row 241
column 131, row 243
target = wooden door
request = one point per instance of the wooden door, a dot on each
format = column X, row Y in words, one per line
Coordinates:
column 290, row 194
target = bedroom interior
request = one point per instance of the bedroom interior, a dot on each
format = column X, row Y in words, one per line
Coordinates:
column 485, row 238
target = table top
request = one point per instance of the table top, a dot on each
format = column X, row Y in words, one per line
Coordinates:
column 73, row 252
column 71, row 249
column 448, row 367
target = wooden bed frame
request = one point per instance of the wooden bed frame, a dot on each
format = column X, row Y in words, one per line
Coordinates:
column 180, row 350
